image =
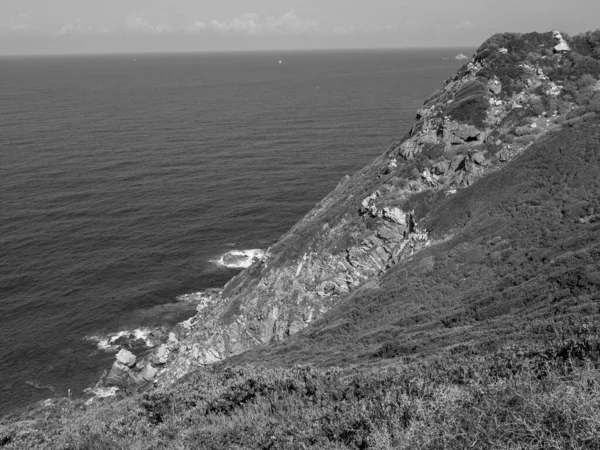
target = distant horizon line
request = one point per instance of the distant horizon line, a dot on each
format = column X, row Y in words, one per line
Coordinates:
column 232, row 51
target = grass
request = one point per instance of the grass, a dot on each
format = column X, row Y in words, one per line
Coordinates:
column 511, row 398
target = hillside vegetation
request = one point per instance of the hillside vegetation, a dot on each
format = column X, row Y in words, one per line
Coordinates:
column 487, row 336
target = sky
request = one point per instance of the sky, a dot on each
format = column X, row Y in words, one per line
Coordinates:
column 92, row 26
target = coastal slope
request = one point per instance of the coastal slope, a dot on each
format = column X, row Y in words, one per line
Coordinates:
column 513, row 93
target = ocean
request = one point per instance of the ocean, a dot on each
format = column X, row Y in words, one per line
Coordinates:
column 127, row 181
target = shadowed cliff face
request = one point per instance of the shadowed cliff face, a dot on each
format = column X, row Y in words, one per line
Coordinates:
column 509, row 95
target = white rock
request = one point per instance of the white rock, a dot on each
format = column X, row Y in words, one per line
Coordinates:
column 126, row 358
column 503, row 50
column 562, row 45
column 394, row 215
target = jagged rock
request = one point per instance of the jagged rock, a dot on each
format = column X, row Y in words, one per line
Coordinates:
column 441, row 167
column 455, row 133
column 479, row 158
column 394, row 215
column 126, row 358
column 161, row 356
column 456, row 162
column 561, row 46
column 460, row 57
column 368, row 205
column 388, row 233
column 473, row 168
column 118, row 374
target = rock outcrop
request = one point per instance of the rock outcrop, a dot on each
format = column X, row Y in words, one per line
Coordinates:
column 561, row 46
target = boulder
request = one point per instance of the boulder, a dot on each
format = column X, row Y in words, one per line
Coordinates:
column 161, row 356
column 118, row 374
column 126, row 358
column 149, row 372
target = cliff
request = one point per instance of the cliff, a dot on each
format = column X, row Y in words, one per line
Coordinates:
column 515, row 90
column 445, row 296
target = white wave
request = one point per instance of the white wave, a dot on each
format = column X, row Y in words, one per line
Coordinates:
column 107, row 342
column 239, row 259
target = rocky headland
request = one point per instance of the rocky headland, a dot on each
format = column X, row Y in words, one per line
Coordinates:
column 510, row 94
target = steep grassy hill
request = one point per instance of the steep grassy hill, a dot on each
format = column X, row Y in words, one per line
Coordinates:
column 445, row 296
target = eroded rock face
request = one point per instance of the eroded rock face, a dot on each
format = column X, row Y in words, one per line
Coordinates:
column 355, row 233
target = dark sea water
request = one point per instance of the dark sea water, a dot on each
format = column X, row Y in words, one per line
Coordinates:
column 122, row 178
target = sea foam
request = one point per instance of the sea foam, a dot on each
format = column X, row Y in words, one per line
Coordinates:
column 239, row 259
column 107, row 342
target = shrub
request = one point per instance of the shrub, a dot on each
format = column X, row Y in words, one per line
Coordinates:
column 469, row 104
column 587, row 44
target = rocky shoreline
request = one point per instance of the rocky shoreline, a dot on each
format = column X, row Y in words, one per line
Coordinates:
column 139, row 360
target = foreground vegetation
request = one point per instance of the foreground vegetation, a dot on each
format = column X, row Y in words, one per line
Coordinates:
column 546, row 397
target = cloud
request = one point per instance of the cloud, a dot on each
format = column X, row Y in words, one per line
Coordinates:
column 15, row 25
column 140, row 25
column 466, row 25
column 252, row 24
column 137, row 23
column 196, row 27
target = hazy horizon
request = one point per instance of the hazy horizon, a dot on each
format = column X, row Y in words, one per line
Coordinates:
column 142, row 26
column 453, row 51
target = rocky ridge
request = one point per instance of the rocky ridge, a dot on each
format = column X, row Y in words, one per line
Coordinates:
column 474, row 125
